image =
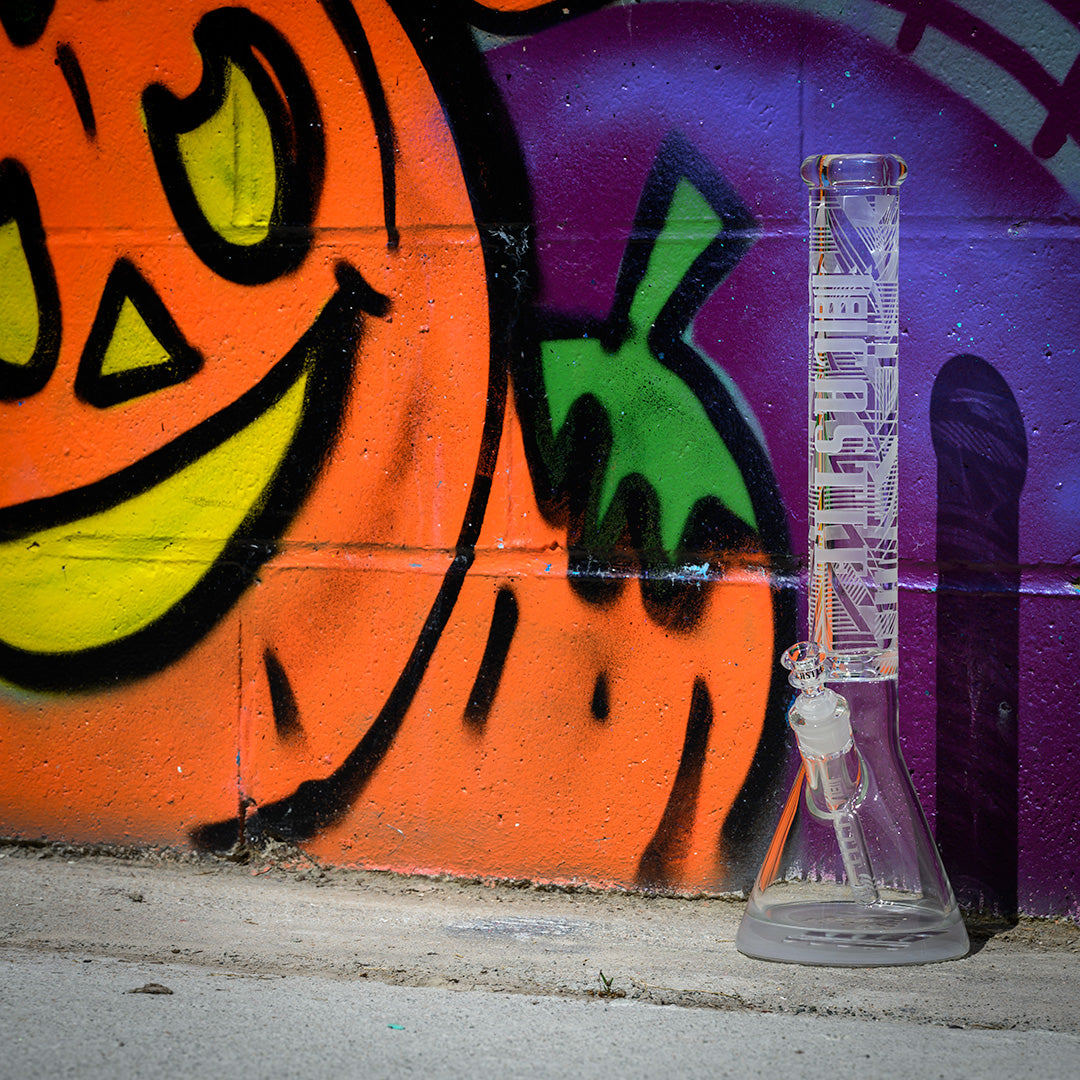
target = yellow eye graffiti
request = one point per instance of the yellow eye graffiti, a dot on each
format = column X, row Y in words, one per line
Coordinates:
column 230, row 164
column 29, row 305
column 18, row 307
column 241, row 158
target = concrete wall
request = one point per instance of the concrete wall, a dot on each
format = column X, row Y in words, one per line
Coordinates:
column 348, row 500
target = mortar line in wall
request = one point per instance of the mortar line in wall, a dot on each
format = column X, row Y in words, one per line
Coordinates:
column 1031, row 579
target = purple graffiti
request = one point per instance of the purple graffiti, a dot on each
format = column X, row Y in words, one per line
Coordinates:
column 989, row 267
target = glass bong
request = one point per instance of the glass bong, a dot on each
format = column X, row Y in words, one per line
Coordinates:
column 852, row 876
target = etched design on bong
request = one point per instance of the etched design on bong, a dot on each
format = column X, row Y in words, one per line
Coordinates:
column 854, row 330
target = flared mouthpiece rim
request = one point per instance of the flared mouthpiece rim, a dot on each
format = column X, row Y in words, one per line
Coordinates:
column 854, row 170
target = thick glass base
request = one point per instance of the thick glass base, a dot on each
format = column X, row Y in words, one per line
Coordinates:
column 852, row 877
column 841, row 933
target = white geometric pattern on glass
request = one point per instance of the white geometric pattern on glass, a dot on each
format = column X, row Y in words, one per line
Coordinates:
column 854, row 337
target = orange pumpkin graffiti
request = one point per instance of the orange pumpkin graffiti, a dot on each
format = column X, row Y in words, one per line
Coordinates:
column 249, row 543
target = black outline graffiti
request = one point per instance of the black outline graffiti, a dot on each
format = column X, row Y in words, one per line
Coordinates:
column 236, row 36
column 25, row 22
column 98, row 387
column 1061, row 101
column 333, row 343
column 670, row 843
column 72, row 71
column 18, row 203
column 600, row 703
column 347, row 24
column 495, row 180
column 504, row 620
column 287, row 723
column 584, row 445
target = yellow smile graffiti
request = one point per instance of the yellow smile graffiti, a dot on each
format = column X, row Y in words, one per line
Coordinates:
column 90, row 582
column 165, row 546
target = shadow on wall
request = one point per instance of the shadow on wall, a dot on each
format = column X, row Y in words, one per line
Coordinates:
column 981, row 449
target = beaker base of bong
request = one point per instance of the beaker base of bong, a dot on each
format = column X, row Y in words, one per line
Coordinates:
column 847, row 934
column 852, row 877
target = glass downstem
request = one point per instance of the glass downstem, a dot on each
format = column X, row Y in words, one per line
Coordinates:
column 821, row 721
column 853, row 854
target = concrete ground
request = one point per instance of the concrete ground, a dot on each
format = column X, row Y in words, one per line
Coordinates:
column 141, row 964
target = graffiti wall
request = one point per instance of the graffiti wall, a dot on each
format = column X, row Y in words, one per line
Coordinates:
column 404, row 426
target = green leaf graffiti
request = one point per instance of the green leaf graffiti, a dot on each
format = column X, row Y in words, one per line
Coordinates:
column 661, row 432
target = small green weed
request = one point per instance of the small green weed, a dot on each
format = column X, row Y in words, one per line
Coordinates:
column 607, row 990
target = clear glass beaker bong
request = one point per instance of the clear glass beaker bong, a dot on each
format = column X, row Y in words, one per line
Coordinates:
column 852, row 875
